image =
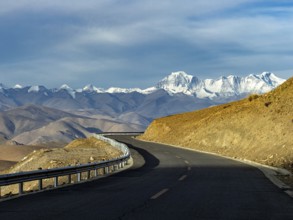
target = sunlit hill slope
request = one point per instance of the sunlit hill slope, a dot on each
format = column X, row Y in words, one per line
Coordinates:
column 258, row 128
column 79, row 151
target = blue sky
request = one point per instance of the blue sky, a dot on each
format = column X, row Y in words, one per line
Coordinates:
column 134, row 43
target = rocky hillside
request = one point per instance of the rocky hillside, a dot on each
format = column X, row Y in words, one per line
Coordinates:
column 80, row 151
column 257, row 128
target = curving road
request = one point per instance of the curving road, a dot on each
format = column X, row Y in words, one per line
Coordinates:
column 164, row 183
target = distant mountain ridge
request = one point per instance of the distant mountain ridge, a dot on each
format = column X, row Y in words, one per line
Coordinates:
column 117, row 109
column 180, row 82
column 34, row 124
column 176, row 82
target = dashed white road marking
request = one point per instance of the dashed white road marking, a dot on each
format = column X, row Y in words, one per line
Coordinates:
column 178, row 157
column 182, row 177
column 185, row 161
column 157, row 195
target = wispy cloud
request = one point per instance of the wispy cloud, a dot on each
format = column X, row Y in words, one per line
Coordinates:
column 135, row 43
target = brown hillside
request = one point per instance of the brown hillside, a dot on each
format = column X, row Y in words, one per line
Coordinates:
column 80, row 151
column 258, row 128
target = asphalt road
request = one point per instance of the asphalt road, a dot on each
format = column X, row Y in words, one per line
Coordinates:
column 164, row 183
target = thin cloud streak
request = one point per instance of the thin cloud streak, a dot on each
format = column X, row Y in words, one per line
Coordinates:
column 136, row 43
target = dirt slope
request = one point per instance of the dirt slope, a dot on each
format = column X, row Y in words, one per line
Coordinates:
column 11, row 154
column 258, row 128
column 80, row 151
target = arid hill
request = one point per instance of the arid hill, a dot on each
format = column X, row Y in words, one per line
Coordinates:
column 257, row 128
column 12, row 154
column 40, row 125
column 80, row 151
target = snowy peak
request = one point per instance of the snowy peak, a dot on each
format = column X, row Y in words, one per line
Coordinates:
column 65, row 86
column 260, row 83
column 178, row 82
column 91, row 88
column 68, row 89
column 123, row 90
column 33, row 89
column 17, row 86
column 271, row 79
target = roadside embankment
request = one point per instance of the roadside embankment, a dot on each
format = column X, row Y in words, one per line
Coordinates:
column 258, row 128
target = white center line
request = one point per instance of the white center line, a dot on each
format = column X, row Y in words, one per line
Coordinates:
column 185, row 161
column 182, row 177
column 159, row 193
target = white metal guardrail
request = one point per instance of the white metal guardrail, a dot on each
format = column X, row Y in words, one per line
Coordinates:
column 119, row 146
column 90, row 169
column 121, row 133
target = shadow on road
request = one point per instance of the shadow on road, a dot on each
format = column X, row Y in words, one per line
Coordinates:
column 144, row 161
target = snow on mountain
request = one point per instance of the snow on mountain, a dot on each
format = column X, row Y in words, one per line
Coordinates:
column 91, row 88
column 261, row 83
column 68, row 89
column 176, row 93
column 180, row 82
column 17, row 86
column 271, row 79
column 123, row 90
column 149, row 90
column 33, row 89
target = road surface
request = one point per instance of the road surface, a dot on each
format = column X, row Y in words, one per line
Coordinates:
column 164, row 183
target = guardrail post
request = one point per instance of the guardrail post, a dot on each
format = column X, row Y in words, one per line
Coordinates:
column 40, row 184
column 88, row 174
column 78, row 177
column 56, row 181
column 95, row 172
column 20, row 188
column 69, row 178
column 106, row 170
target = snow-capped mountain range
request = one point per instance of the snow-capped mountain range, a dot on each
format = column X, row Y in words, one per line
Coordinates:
column 28, row 113
column 180, row 82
